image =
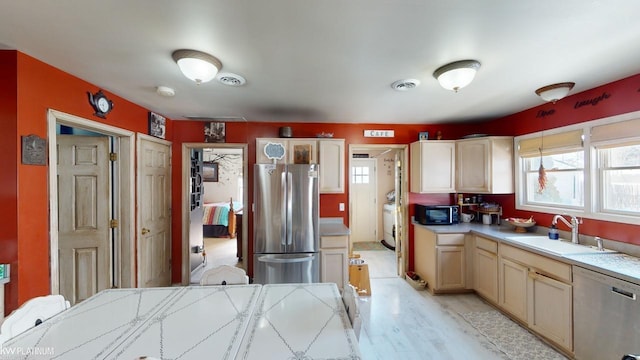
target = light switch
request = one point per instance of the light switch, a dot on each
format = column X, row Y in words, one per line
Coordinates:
column 341, row 207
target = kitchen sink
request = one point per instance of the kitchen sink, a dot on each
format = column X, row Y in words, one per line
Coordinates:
column 558, row 247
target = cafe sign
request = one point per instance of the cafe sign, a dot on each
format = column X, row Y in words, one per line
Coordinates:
column 379, row 133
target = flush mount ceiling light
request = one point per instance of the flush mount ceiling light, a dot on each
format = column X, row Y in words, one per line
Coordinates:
column 555, row 92
column 197, row 65
column 456, row 75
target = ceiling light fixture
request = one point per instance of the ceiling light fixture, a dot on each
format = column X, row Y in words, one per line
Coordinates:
column 197, row 65
column 456, row 75
column 555, row 92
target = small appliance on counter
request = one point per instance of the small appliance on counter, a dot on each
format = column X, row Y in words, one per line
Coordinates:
column 436, row 214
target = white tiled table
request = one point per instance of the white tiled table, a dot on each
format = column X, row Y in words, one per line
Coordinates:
column 176, row 323
column 299, row 321
column 287, row 321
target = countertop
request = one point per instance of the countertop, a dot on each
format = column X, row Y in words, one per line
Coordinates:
column 618, row 265
column 333, row 227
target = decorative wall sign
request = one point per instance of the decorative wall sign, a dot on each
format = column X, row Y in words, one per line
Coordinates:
column 593, row 102
column 274, row 151
column 214, row 132
column 157, row 125
column 423, row 135
column 209, row 171
column 379, row 133
column 34, row 150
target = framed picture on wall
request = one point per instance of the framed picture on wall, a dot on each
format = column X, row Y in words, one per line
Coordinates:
column 215, row 132
column 302, row 154
column 210, row 171
column 157, row 125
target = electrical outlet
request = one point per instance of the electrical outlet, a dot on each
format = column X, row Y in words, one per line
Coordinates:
column 341, row 207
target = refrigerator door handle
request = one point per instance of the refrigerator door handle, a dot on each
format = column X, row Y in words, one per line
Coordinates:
column 289, row 205
column 283, row 209
column 271, row 259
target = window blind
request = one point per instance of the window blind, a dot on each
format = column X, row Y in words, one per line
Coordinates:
column 550, row 144
column 616, row 131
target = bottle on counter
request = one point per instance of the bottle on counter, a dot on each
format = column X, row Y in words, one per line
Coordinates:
column 553, row 233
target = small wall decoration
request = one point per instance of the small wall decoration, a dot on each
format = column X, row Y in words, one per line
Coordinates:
column 157, row 125
column 214, row 132
column 34, row 150
column 210, row 171
column 424, row 135
column 302, row 154
column 379, row 133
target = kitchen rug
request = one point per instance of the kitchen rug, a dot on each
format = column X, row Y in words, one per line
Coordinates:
column 368, row 245
column 512, row 339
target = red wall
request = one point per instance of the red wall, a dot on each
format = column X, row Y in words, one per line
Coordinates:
column 33, row 87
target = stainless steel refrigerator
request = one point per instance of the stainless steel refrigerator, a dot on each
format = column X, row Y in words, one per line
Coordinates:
column 286, row 211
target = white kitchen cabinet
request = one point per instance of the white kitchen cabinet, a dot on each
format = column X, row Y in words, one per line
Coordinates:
column 538, row 290
column 486, row 268
column 551, row 309
column 303, row 148
column 485, row 165
column 332, row 165
column 334, row 260
column 513, row 288
column 440, row 260
column 433, row 166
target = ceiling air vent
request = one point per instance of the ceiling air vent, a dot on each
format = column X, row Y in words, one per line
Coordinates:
column 231, row 79
column 406, row 84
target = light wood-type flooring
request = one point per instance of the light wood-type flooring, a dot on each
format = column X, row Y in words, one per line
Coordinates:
column 400, row 322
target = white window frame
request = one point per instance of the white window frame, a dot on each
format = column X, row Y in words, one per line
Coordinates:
column 591, row 173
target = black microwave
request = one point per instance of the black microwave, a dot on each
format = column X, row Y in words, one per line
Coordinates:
column 436, row 214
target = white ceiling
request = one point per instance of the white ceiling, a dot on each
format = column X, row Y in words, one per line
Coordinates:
column 332, row 60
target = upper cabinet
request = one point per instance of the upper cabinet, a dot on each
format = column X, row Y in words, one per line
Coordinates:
column 485, row 165
column 332, row 173
column 433, row 166
column 329, row 153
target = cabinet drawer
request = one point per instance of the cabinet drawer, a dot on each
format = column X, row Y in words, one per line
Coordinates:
column 334, row 242
column 450, row 239
column 553, row 268
column 486, row 244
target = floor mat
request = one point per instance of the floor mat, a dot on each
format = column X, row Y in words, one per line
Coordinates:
column 512, row 339
column 368, row 245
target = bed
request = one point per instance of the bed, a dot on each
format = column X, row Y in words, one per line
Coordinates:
column 221, row 219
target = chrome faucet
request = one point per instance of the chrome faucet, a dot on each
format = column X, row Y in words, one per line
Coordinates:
column 573, row 225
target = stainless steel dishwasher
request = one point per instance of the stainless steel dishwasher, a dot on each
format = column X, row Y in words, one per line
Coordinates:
column 606, row 313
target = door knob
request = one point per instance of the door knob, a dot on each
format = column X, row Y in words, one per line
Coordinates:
column 145, row 231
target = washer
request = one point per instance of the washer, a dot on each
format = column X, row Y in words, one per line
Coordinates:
column 389, row 223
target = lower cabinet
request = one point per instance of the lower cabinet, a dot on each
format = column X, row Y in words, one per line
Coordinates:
column 486, row 268
column 440, row 260
column 538, row 291
column 334, row 260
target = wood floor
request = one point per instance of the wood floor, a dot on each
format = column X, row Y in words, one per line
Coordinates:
column 400, row 322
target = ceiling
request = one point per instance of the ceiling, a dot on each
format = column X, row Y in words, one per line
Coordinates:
column 332, row 60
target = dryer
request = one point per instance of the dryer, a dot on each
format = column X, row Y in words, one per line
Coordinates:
column 389, row 224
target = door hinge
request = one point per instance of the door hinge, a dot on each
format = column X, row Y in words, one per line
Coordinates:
column 113, row 223
column 113, row 156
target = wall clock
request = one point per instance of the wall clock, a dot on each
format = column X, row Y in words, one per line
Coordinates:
column 100, row 104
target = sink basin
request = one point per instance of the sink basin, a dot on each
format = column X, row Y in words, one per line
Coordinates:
column 558, row 247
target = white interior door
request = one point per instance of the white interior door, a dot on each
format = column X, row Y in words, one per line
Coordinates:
column 84, row 246
column 154, row 208
column 364, row 207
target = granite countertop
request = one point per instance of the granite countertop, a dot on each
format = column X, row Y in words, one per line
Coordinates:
column 619, row 265
column 333, row 227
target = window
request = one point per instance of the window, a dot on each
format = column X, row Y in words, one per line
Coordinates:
column 619, row 177
column 565, row 180
column 360, row 175
column 592, row 170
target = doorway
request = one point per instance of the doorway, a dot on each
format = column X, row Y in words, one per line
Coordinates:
column 224, row 182
column 386, row 212
column 117, row 245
